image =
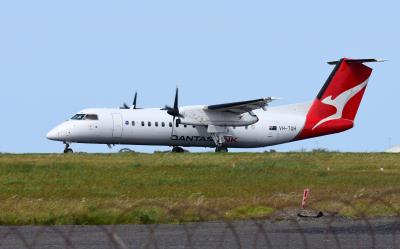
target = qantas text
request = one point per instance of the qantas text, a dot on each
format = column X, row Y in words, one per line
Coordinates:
column 201, row 138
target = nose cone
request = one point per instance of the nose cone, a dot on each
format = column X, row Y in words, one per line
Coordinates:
column 59, row 133
column 53, row 134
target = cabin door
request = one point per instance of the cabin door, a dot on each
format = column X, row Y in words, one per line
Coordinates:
column 117, row 125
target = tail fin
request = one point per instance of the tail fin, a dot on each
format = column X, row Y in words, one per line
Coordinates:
column 337, row 102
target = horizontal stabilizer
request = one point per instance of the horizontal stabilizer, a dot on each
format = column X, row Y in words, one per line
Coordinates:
column 357, row 61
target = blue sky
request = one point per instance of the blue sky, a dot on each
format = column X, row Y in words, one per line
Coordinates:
column 57, row 57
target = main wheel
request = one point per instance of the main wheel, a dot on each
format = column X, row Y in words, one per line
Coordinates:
column 67, row 151
column 221, row 149
column 178, row 149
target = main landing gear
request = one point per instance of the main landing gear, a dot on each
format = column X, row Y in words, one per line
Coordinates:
column 219, row 139
column 221, row 149
column 67, row 149
column 177, row 149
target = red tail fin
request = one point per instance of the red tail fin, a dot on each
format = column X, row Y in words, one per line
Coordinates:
column 337, row 103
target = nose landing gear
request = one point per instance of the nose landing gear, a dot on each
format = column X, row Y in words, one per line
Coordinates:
column 67, row 148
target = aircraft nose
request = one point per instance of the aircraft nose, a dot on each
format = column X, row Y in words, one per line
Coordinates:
column 52, row 135
column 60, row 133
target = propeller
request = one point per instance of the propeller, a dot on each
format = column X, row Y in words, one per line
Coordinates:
column 125, row 106
column 174, row 111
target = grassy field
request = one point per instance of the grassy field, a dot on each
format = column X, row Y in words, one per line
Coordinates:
column 173, row 188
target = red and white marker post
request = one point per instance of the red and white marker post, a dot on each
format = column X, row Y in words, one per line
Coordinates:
column 305, row 196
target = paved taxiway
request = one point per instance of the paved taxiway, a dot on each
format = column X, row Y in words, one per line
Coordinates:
column 311, row 233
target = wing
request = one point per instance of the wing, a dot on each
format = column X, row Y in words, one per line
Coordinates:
column 242, row 106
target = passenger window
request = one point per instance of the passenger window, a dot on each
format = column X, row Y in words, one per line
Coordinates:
column 133, row 123
column 149, row 123
column 142, row 123
column 162, row 124
column 170, row 124
column 156, row 124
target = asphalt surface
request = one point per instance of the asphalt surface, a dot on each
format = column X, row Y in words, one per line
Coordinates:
column 295, row 233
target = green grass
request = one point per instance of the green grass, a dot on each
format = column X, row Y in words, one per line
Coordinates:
column 174, row 188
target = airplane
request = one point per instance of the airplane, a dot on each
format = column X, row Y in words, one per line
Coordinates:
column 244, row 124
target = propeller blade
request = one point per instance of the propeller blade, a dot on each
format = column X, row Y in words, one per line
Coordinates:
column 134, row 101
column 173, row 125
column 167, row 107
column 124, row 106
column 176, row 99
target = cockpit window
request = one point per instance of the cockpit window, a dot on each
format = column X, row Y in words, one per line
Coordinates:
column 85, row 117
column 91, row 117
column 78, row 116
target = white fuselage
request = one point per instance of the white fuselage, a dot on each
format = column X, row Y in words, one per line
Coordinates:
column 152, row 126
column 240, row 124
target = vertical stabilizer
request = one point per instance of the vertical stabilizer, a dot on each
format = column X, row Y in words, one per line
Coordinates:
column 336, row 104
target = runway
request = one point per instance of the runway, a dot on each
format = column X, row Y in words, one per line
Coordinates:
column 296, row 233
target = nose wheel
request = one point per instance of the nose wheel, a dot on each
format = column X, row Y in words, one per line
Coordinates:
column 67, row 149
